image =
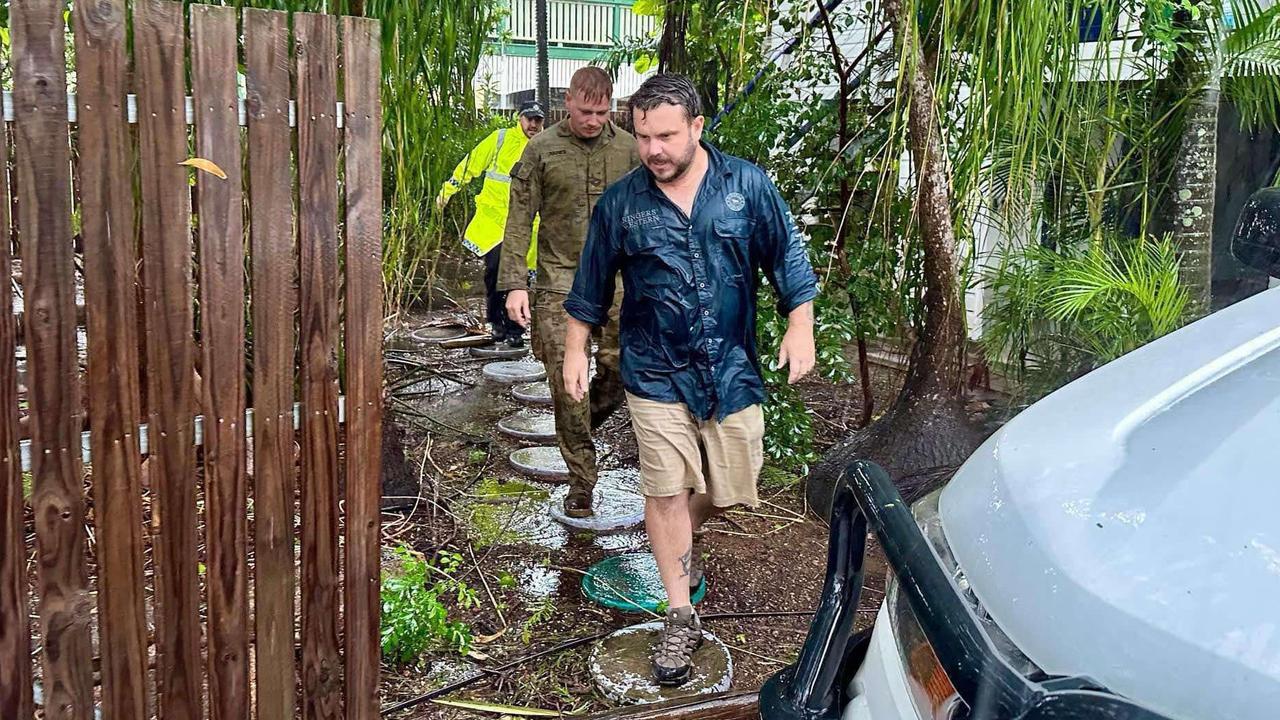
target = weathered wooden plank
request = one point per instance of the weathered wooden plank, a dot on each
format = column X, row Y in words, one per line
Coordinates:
column 15, row 628
column 106, row 198
column 316, row 50
column 43, row 180
column 362, row 61
column 159, row 49
column 275, row 300
column 222, row 284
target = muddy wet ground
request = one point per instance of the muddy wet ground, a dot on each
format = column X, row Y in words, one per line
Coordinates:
column 526, row 568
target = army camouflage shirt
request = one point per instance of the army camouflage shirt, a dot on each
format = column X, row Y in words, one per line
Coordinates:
column 559, row 176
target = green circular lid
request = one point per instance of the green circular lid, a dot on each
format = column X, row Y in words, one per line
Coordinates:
column 630, row 583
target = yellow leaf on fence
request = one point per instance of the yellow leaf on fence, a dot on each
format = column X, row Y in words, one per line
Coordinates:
column 500, row 709
column 206, row 165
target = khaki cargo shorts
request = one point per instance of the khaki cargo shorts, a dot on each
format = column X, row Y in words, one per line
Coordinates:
column 679, row 453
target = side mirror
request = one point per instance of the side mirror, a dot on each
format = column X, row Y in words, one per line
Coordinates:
column 1256, row 240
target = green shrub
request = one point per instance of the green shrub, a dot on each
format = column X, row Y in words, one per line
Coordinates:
column 415, row 617
column 1058, row 313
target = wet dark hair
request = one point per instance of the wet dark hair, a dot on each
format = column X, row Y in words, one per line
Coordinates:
column 667, row 89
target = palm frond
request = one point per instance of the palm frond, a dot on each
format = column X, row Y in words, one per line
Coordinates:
column 1251, row 63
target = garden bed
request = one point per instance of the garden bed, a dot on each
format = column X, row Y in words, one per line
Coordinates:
column 520, row 572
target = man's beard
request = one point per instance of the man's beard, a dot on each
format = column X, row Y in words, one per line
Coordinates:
column 677, row 168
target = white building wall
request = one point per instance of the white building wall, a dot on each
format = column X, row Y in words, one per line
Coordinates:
column 509, row 75
column 588, row 28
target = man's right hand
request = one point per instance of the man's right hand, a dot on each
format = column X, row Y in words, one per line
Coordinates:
column 576, row 371
column 518, row 307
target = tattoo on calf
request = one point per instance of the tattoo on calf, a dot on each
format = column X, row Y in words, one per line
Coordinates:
column 685, row 561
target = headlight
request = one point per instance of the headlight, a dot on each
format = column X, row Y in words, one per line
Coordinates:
column 934, row 696
column 931, row 691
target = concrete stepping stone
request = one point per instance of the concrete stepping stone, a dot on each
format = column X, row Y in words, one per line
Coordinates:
column 618, row 504
column 537, row 393
column 621, row 669
column 515, row 371
column 499, row 352
column 531, row 425
column 540, row 461
column 630, row 583
column 435, row 334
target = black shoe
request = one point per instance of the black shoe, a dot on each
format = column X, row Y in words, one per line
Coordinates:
column 680, row 637
column 515, row 341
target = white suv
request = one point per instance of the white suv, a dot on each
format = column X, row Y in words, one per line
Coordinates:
column 1112, row 552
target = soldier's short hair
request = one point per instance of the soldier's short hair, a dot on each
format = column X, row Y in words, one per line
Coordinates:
column 591, row 83
column 667, row 89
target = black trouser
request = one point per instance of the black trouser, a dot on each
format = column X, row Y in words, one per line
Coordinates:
column 496, row 301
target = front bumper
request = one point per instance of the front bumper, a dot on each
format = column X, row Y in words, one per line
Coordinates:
column 878, row 690
column 842, row 674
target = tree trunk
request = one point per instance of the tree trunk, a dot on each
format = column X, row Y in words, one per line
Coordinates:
column 544, row 61
column 927, row 433
column 1195, row 170
column 672, row 55
column 843, row 72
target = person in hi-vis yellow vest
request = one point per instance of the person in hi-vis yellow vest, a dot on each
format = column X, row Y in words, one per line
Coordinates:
column 493, row 159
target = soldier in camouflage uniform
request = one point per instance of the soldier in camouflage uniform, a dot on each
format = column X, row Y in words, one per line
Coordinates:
column 560, row 176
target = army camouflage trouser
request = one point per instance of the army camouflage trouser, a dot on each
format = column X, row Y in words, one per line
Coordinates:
column 576, row 419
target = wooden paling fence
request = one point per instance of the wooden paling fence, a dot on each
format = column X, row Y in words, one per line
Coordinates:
column 225, row 316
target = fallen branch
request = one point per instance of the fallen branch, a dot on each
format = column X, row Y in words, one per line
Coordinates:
column 485, row 582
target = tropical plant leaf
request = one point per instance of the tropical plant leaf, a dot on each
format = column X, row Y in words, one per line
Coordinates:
column 513, row 710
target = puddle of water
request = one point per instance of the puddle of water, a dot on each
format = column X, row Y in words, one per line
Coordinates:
column 537, row 582
column 623, row 542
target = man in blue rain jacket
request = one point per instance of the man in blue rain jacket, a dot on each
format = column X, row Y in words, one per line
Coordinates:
column 689, row 230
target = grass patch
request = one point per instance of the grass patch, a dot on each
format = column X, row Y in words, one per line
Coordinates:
column 491, row 488
column 498, row 517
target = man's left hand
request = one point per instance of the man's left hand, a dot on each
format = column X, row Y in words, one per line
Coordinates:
column 797, row 352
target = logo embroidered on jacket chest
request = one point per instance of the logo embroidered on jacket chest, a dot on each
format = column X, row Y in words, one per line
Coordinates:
column 643, row 218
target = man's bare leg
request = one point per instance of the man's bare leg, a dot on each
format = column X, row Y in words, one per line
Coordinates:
column 671, row 535
column 701, row 509
column 667, row 520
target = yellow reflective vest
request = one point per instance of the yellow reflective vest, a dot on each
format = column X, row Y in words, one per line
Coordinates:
column 493, row 158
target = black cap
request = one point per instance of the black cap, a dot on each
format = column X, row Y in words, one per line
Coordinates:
column 531, row 109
